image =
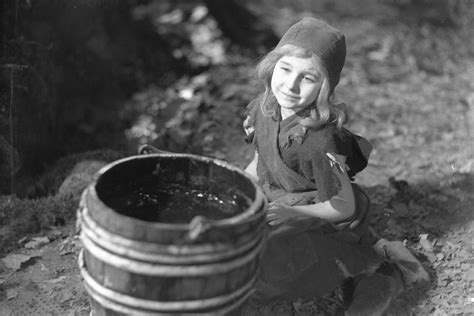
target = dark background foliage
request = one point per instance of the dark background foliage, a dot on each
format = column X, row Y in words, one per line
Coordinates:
column 68, row 67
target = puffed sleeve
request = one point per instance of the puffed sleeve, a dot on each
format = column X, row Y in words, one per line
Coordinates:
column 320, row 161
column 355, row 148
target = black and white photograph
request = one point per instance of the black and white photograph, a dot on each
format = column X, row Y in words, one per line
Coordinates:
column 241, row 158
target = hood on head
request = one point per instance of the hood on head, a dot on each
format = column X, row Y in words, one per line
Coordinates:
column 327, row 42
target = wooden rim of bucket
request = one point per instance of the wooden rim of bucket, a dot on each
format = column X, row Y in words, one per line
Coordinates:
column 125, row 304
column 256, row 209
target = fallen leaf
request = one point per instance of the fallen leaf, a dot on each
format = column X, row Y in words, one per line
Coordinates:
column 467, row 167
column 14, row 261
column 57, row 280
column 77, row 243
column 186, row 93
column 465, row 266
column 67, row 246
column 12, row 294
column 37, row 242
column 67, row 250
column 41, row 239
column 66, row 296
column 462, row 253
column 425, row 243
column 469, row 275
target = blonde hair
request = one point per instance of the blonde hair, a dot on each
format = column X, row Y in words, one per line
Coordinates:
column 322, row 111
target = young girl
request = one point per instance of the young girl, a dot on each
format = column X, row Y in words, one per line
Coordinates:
column 305, row 161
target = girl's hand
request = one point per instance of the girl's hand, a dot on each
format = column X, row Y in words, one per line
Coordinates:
column 279, row 213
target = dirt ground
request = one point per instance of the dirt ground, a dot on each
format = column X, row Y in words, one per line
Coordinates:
column 408, row 91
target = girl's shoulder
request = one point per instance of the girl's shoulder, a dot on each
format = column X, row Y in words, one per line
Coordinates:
column 254, row 105
column 326, row 137
column 252, row 111
column 330, row 139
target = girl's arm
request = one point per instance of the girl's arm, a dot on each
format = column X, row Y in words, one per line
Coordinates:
column 339, row 207
column 252, row 167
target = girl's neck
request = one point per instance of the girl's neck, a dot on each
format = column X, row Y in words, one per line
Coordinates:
column 285, row 113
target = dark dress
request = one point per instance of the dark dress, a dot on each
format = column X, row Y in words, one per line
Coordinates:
column 308, row 256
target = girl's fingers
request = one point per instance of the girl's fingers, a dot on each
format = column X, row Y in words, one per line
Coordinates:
column 273, row 219
column 274, row 222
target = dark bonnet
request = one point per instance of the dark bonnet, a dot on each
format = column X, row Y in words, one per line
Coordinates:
column 324, row 40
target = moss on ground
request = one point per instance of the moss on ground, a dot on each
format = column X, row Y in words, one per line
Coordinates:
column 24, row 217
column 42, row 205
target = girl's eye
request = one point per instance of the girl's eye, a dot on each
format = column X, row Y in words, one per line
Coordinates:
column 285, row 69
column 309, row 79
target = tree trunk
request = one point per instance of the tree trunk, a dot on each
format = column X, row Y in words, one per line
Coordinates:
column 240, row 25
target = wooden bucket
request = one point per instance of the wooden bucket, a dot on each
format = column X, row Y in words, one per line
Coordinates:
column 134, row 266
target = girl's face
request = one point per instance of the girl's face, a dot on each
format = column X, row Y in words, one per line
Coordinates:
column 295, row 83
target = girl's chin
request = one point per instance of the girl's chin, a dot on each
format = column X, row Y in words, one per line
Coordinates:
column 289, row 105
column 286, row 103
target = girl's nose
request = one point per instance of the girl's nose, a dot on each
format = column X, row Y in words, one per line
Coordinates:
column 292, row 83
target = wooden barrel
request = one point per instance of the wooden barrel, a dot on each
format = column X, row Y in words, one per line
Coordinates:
column 206, row 264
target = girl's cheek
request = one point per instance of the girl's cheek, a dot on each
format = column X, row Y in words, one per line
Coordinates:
column 276, row 75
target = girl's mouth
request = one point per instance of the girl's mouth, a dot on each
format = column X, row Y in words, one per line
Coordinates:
column 289, row 96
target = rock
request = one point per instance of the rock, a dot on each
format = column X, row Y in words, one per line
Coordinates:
column 15, row 261
column 81, row 175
